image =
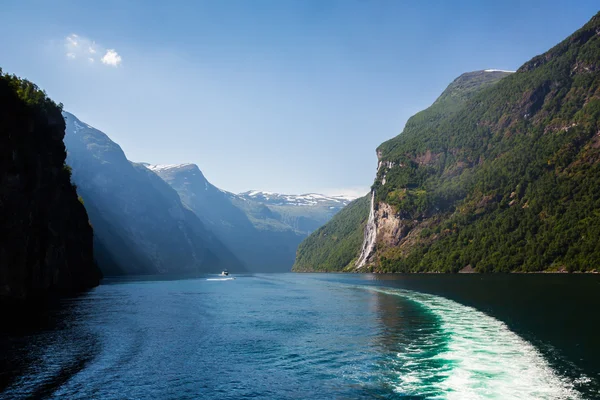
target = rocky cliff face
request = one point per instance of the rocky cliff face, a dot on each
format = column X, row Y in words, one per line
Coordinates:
column 46, row 241
column 140, row 223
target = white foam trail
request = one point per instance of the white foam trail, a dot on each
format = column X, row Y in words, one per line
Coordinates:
column 220, row 279
column 483, row 359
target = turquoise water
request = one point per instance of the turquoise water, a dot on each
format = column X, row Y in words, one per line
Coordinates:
column 291, row 336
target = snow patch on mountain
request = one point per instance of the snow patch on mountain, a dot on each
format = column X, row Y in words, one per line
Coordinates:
column 78, row 126
column 307, row 199
column 162, row 167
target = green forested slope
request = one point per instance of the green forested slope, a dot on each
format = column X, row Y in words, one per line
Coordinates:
column 332, row 247
column 509, row 180
column 336, row 245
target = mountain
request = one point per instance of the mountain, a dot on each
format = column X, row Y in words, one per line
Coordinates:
column 263, row 229
column 303, row 213
column 339, row 244
column 501, row 173
column 140, row 224
column 309, row 199
column 46, row 241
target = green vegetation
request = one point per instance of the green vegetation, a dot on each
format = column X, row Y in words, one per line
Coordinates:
column 500, row 175
column 30, row 94
column 41, row 111
column 333, row 246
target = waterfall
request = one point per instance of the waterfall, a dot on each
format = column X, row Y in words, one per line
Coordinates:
column 370, row 235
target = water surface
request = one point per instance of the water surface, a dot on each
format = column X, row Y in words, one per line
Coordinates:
column 289, row 336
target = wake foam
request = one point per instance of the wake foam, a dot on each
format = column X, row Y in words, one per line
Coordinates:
column 478, row 358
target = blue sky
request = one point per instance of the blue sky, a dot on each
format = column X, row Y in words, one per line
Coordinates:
column 282, row 95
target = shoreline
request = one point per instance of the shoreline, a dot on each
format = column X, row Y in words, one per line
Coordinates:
column 593, row 272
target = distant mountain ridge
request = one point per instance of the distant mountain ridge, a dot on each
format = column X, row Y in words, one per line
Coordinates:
column 308, row 199
column 273, row 198
column 262, row 228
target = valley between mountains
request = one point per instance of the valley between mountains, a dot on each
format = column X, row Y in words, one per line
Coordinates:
column 157, row 219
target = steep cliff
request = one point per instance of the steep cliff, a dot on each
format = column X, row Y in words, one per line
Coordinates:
column 140, row 224
column 498, row 174
column 46, row 241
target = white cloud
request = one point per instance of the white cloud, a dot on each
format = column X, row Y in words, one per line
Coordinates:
column 82, row 48
column 111, row 58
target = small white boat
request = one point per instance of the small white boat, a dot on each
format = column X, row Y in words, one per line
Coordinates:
column 223, row 276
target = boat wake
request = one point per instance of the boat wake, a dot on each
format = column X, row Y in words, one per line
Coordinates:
column 220, row 279
column 477, row 357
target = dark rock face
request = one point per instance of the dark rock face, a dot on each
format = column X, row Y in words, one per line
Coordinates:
column 46, row 244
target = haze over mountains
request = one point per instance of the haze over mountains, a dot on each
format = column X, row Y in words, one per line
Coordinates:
column 70, row 212
column 140, row 224
column 262, row 228
column 151, row 219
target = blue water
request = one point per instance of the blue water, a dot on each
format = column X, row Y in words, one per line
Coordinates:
column 290, row 336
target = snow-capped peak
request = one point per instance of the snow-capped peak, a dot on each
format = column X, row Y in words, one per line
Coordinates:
column 162, row 167
column 306, row 199
column 253, row 193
